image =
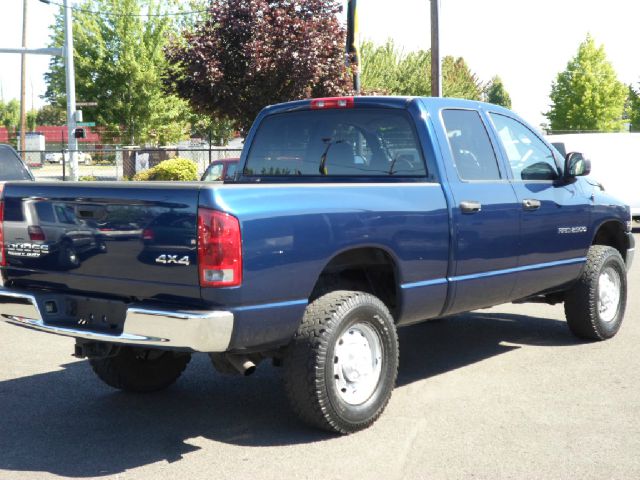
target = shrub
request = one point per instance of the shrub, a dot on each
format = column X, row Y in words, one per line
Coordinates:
column 180, row 169
column 87, row 178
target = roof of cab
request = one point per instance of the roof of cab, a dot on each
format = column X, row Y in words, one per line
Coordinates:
column 393, row 102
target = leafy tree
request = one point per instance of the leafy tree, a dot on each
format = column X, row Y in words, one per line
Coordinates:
column 32, row 116
column 587, row 95
column 389, row 70
column 10, row 116
column 120, row 63
column 220, row 130
column 497, row 94
column 247, row 54
column 51, row 115
column 633, row 110
column 458, row 80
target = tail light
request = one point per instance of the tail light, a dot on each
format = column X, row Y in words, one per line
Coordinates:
column 219, row 249
column 35, row 233
column 147, row 234
column 332, row 102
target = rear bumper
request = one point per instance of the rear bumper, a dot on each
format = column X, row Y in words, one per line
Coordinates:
column 198, row 331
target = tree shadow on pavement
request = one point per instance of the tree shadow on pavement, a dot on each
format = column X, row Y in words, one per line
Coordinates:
column 68, row 423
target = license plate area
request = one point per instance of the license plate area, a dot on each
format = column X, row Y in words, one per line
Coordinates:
column 84, row 313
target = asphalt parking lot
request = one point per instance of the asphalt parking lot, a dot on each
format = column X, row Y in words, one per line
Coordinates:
column 499, row 393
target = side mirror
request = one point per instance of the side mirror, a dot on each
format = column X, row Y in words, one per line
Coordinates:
column 575, row 165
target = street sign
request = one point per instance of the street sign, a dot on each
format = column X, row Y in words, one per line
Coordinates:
column 86, row 104
column 86, row 124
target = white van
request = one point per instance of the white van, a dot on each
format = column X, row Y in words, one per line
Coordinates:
column 615, row 162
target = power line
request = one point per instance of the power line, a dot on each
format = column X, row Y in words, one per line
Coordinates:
column 114, row 14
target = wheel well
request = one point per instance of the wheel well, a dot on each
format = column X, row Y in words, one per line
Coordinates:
column 612, row 234
column 369, row 270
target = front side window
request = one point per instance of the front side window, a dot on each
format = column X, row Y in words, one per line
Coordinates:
column 214, row 173
column 529, row 157
column 470, row 145
column 337, row 142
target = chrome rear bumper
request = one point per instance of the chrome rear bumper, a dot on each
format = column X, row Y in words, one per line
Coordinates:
column 198, row 331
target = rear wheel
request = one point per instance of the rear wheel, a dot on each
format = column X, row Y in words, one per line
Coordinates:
column 68, row 256
column 340, row 369
column 138, row 370
column 595, row 306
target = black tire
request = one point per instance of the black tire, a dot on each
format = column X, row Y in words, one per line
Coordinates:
column 141, row 371
column 310, row 361
column 68, row 256
column 583, row 302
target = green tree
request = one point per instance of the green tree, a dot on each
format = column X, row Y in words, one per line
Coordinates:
column 220, row 130
column 497, row 94
column 633, row 110
column 10, row 116
column 387, row 69
column 587, row 95
column 120, row 64
column 32, row 116
column 247, row 54
column 51, row 115
column 458, row 80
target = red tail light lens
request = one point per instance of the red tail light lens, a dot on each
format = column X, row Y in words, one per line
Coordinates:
column 219, row 249
column 35, row 233
column 147, row 234
column 332, row 102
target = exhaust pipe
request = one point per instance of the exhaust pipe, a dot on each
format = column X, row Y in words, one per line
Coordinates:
column 242, row 364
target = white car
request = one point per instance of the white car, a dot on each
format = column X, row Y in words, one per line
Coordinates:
column 56, row 157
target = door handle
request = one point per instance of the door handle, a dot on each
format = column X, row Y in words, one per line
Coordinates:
column 531, row 204
column 470, row 207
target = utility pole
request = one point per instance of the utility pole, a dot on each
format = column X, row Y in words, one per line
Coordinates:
column 23, row 80
column 71, row 91
column 353, row 49
column 436, row 63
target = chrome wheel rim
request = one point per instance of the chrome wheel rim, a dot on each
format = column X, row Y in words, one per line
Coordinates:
column 608, row 294
column 357, row 363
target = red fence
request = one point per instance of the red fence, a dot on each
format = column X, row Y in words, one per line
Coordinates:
column 53, row 134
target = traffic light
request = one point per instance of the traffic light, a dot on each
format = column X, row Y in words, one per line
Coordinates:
column 79, row 133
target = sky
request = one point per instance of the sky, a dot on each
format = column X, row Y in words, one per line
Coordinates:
column 527, row 43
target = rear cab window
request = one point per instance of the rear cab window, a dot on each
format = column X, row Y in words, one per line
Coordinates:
column 367, row 142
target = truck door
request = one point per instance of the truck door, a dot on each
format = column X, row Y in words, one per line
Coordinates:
column 555, row 216
column 486, row 215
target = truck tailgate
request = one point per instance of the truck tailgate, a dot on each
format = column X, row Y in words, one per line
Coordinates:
column 129, row 240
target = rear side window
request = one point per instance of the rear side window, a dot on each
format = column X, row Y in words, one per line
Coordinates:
column 11, row 167
column 471, row 148
column 65, row 214
column 231, row 170
column 342, row 143
column 45, row 212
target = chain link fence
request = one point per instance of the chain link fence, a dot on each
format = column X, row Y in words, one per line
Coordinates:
column 118, row 163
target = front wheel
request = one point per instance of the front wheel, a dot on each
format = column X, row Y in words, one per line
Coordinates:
column 595, row 305
column 341, row 366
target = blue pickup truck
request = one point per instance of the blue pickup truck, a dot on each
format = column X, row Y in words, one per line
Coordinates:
column 346, row 219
